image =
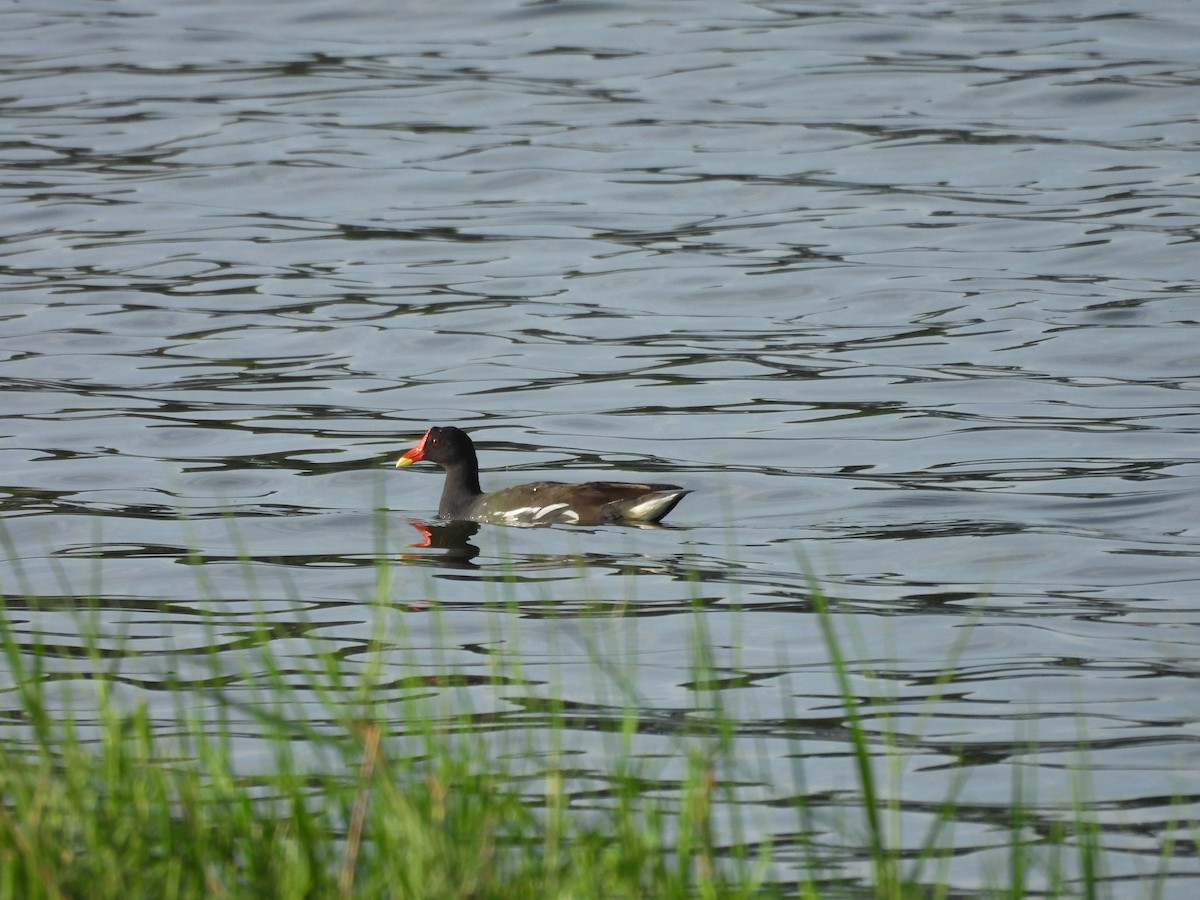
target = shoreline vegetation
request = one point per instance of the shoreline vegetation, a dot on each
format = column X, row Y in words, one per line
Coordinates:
column 302, row 781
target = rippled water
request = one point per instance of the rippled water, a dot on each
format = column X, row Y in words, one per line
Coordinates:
column 907, row 293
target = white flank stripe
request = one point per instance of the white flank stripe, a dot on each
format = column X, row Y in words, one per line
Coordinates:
column 528, row 515
column 550, row 510
column 514, row 516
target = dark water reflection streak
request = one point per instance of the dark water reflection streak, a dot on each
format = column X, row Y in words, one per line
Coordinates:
column 906, row 293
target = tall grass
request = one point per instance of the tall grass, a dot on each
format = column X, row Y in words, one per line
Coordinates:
column 379, row 788
column 101, row 801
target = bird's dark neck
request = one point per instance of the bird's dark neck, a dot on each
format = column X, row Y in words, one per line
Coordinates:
column 461, row 487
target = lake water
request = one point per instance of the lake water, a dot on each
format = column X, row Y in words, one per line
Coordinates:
column 907, row 293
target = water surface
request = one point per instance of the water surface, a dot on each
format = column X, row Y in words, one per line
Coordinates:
column 907, row 295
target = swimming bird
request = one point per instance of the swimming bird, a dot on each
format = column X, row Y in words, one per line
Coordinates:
column 536, row 503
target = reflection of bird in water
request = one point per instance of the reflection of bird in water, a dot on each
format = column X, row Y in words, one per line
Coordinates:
column 452, row 537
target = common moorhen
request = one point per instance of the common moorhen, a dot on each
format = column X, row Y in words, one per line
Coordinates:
column 537, row 503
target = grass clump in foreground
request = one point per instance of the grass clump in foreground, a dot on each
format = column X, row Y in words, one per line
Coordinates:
column 101, row 799
column 387, row 793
